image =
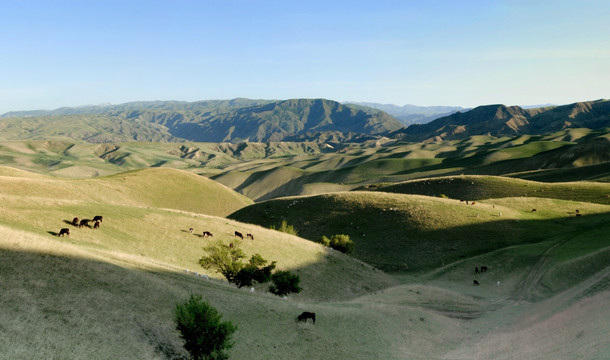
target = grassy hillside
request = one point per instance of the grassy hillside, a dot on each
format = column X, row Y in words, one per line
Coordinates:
column 110, row 292
column 471, row 187
column 397, row 232
column 155, row 187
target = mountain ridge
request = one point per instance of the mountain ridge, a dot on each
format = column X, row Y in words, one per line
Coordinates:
column 501, row 120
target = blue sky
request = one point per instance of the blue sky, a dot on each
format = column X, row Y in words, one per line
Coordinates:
column 466, row 53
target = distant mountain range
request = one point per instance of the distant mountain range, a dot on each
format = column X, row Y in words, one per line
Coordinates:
column 412, row 114
column 318, row 120
column 500, row 120
column 210, row 121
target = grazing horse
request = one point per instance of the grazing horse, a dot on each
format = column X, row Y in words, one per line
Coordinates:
column 307, row 315
column 476, row 270
column 239, row 235
column 84, row 222
column 483, row 268
column 98, row 218
column 250, row 236
column 75, row 221
column 96, row 225
column 474, row 282
column 207, row 233
column 64, row 231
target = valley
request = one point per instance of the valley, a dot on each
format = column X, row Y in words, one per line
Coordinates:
column 532, row 208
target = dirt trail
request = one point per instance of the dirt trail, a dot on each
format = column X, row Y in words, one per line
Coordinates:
column 526, row 286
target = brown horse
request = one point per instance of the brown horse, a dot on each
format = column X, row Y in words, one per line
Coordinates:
column 307, row 315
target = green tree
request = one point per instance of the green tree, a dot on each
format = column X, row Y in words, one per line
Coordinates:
column 205, row 336
column 256, row 270
column 225, row 259
column 284, row 283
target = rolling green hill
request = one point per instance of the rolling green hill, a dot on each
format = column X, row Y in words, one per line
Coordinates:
column 477, row 187
column 110, row 292
column 397, row 232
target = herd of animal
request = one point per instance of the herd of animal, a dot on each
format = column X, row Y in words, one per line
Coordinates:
column 76, row 222
column 236, row 234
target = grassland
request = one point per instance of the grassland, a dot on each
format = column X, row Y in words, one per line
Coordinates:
column 406, row 293
column 263, row 171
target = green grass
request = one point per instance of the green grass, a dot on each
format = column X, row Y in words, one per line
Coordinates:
column 398, row 233
column 110, row 292
column 468, row 187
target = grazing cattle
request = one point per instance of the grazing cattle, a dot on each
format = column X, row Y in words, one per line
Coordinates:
column 307, row 315
column 75, row 221
column 191, row 230
column 239, row 235
column 250, row 236
column 534, row 210
column 474, row 282
column 473, row 203
column 64, row 231
column 476, row 270
column 207, row 233
column 577, row 211
column 84, row 222
column 483, row 268
column 96, row 225
column 98, row 218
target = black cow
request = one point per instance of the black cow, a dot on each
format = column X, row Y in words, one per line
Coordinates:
column 98, row 218
column 75, row 221
column 64, row 231
column 239, row 235
column 96, row 225
column 250, row 236
column 307, row 315
column 476, row 270
column 207, row 233
column 474, row 282
column 483, row 269
column 84, row 222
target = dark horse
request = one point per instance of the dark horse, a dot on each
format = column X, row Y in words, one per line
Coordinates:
column 307, row 315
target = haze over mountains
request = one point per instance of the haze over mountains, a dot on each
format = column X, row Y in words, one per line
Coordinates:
column 318, row 120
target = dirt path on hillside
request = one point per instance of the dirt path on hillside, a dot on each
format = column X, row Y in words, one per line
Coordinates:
column 526, row 286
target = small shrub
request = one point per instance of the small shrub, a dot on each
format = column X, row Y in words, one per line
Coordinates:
column 284, row 227
column 343, row 243
column 284, row 283
column 205, row 337
column 324, row 241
